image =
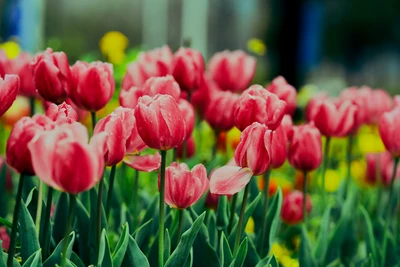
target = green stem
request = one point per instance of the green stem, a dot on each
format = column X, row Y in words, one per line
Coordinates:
column 324, row 167
column 32, row 105
column 46, row 227
column 184, row 150
column 110, row 190
column 241, row 219
column 93, row 114
column 266, row 199
column 72, row 203
column 13, row 237
column 136, row 199
column 232, row 212
column 304, row 204
column 214, row 149
column 39, row 208
column 349, row 159
column 162, row 211
column 99, row 211
column 174, row 154
column 180, row 225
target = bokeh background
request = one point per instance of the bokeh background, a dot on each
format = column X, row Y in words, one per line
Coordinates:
column 331, row 44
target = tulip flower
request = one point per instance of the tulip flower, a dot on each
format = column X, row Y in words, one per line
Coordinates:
column 313, row 105
column 377, row 102
column 220, row 111
column 52, row 75
column 21, row 66
column 5, row 238
column 353, row 94
column 188, row 68
column 397, row 100
column 279, row 144
column 93, row 85
column 335, row 119
column 256, row 104
column 62, row 113
column 189, row 116
column 287, row 125
column 183, row 187
column 229, row 180
column 305, row 149
column 292, row 212
column 129, row 98
column 389, row 129
column 285, row 92
column 5, row 64
column 380, row 165
column 202, row 96
column 232, row 70
column 153, row 63
column 160, row 122
column 9, row 88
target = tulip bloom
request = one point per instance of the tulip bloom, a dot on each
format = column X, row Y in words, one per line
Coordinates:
column 279, row 144
column 254, row 149
column 21, row 66
column 62, row 113
column 153, row 63
column 202, row 96
column 377, row 102
column 353, row 94
column 5, row 64
column 389, row 129
column 313, row 105
column 188, row 68
column 256, row 104
column 183, row 187
column 285, row 92
column 335, row 119
column 5, row 238
column 93, row 85
column 220, row 111
column 52, row 75
column 287, row 125
column 305, row 149
column 188, row 116
column 67, row 162
column 232, row 70
column 160, row 122
column 292, row 212
column 18, row 154
column 380, row 165
column 9, row 88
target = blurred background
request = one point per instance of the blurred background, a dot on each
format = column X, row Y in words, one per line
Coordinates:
column 332, row 44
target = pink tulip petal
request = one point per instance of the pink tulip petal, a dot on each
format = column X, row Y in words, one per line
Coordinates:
column 229, row 180
column 147, row 163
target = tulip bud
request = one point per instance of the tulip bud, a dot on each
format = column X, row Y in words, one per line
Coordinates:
column 389, row 129
column 93, row 85
column 285, row 92
column 153, row 63
column 62, row 113
column 220, row 111
column 9, row 88
column 183, row 187
column 305, row 149
column 18, row 155
column 160, row 122
column 52, row 75
column 188, row 116
column 5, row 238
column 67, row 162
column 22, row 67
column 254, row 149
column 292, row 212
column 232, row 70
column 335, row 119
column 188, row 68
column 256, row 104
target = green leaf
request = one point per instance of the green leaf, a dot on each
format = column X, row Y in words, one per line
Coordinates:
column 104, row 258
column 122, row 245
column 269, row 261
column 222, row 213
column 167, row 244
column 55, row 257
column 182, row 251
column 93, row 222
column 323, row 238
column 252, row 257
column 212, row 229
column 83, row 225
column 60, row 217
column 241, row 255
column 369, row 236
column 273, row 218
column 76, row 260
column 34, row 260
column 225, row 251
column 4, row 256
column 134, row 257
column 5, row 223
column 306, row 258
column 28, row 236
column 3, row 190
column 142, row 232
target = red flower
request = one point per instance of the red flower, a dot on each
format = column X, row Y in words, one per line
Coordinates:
column 380, row 165
column 377, row 102
column 220, row 111
column 285, row 92
column 292, row 212
column 313, row 105
column 5, row 64
column 279, row 144
column 188, row 116
column 389, row 129
column 5, row 238
column 9, row 88
column 62, row 113
column 21, row 66
column 188, row 69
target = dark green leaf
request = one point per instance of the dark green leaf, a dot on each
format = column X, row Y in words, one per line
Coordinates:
column 226, row 255
column 134, row 257
column 34, row 260
column 28, row 240
column 222, row 213
column 306, row 258
column 55, row 257
column 3, row 191
column 83, row 225
column 323, row 237
column 369, row 236
column 241, row 255
column 76, row 260
column 60, row 217
column 273, row 219
column 142, row 232
column 122, row 245
column 93, row 222
column 104, row 259
column 167, row 244
column 5, row 223
column 252, row 257
column 269, row 261
column 4, row 256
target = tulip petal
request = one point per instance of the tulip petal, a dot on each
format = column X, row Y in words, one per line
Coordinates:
column 229, row 180
column 147, row 163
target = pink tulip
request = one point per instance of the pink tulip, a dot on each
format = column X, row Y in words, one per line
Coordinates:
column 18, row 155
column 183, row 187
column 9, row 88
column 188, row 68
column 377, row 102
column 279, row 144
column 254, row 149
column 62, row 113
column 229, row 180
column 389, row 129
column 287, row 125
column 397, row 100
column 160, row 122
column 93, row 85
column 52, row 75
column 153, row 63
column 313, row 105
column 256, row 104
column 5, row 238
column 188, row 116
column 190, row 149
column 202, row 96
column 145, row 163
column 335, row 119
column 353, row 94
column 129, row 98
column 292, row 212
column 380, row 165
column 67, row 162
column 5, row 64
column 21, row 66
column 232, row 70
column 220, row 111
column 305, row 149
column 285, row 92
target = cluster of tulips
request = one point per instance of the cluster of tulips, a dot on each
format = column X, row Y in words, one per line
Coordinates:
column 162, row 97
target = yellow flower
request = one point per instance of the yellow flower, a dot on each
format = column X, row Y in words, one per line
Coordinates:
column 256, row 46
column 369, row 140
column 332, row 180
column 11, row 48
column 113, row 45
column 250, row 226
column 283, row 255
